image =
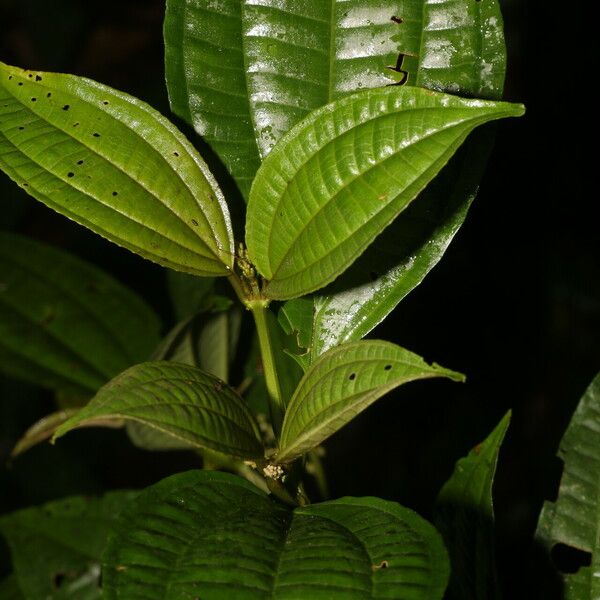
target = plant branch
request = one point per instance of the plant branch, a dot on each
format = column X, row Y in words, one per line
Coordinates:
column 259, row 312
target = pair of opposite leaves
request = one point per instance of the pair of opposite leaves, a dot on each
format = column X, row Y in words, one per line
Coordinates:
column 326, row 190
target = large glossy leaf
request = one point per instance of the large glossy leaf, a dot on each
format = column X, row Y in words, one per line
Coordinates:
column 341, row 384
column 181, row 401
column 465, row 518
column 344, row 173
column 244, row 72
column 43, row 293
column 574, row 519
column 113, row 164
column 214, row 536
column 56, row 548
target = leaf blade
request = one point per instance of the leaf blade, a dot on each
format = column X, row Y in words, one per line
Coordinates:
column 62, row 541
column 238, row 542
column 344, row 173
column 341, row 384
column 113, row 164
column 178, row 400
column 574, row 518
column 43, row 291
column 464, row 515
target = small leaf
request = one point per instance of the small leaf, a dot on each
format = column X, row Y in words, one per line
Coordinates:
column 465, row 518
column 115, row 165
column 343, row 174
column 180, row 401
column 574, row 519
column 43, row 292
column 56, row 548
column 213, row 535
column 341, row 384
column 204, row 65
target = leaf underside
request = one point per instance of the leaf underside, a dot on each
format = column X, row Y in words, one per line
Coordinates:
column 178, row 400
column 214, row 536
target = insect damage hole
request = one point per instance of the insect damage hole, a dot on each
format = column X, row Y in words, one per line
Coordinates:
column 387, row 367
column 115, row 193
column 568, row 559
column 352, row 376
column 66, row 107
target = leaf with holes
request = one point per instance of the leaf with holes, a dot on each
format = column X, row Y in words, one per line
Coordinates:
column 344, row 174
column 214, row 535
column 341, row 384
column 574, row 518
column 43, row 292
column 56, row 548
column 115, row 165
column 183, row 402
column 464, row 515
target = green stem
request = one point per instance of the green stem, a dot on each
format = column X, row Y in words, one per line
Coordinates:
column 259, row 312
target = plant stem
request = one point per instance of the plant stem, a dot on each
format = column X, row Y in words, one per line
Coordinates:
column 259, row 312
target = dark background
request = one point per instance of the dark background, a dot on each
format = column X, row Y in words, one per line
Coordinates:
column 514, row 304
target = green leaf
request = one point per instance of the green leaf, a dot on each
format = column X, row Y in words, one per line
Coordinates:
column 465, row 518
column 178, row 400
column 341, row 384
column 344, row 173
column 43, row 292
column 204, row 66
column 574, row 519
column 115, row 165
column 214, row 536
column 243, row 73
column 56, row 548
